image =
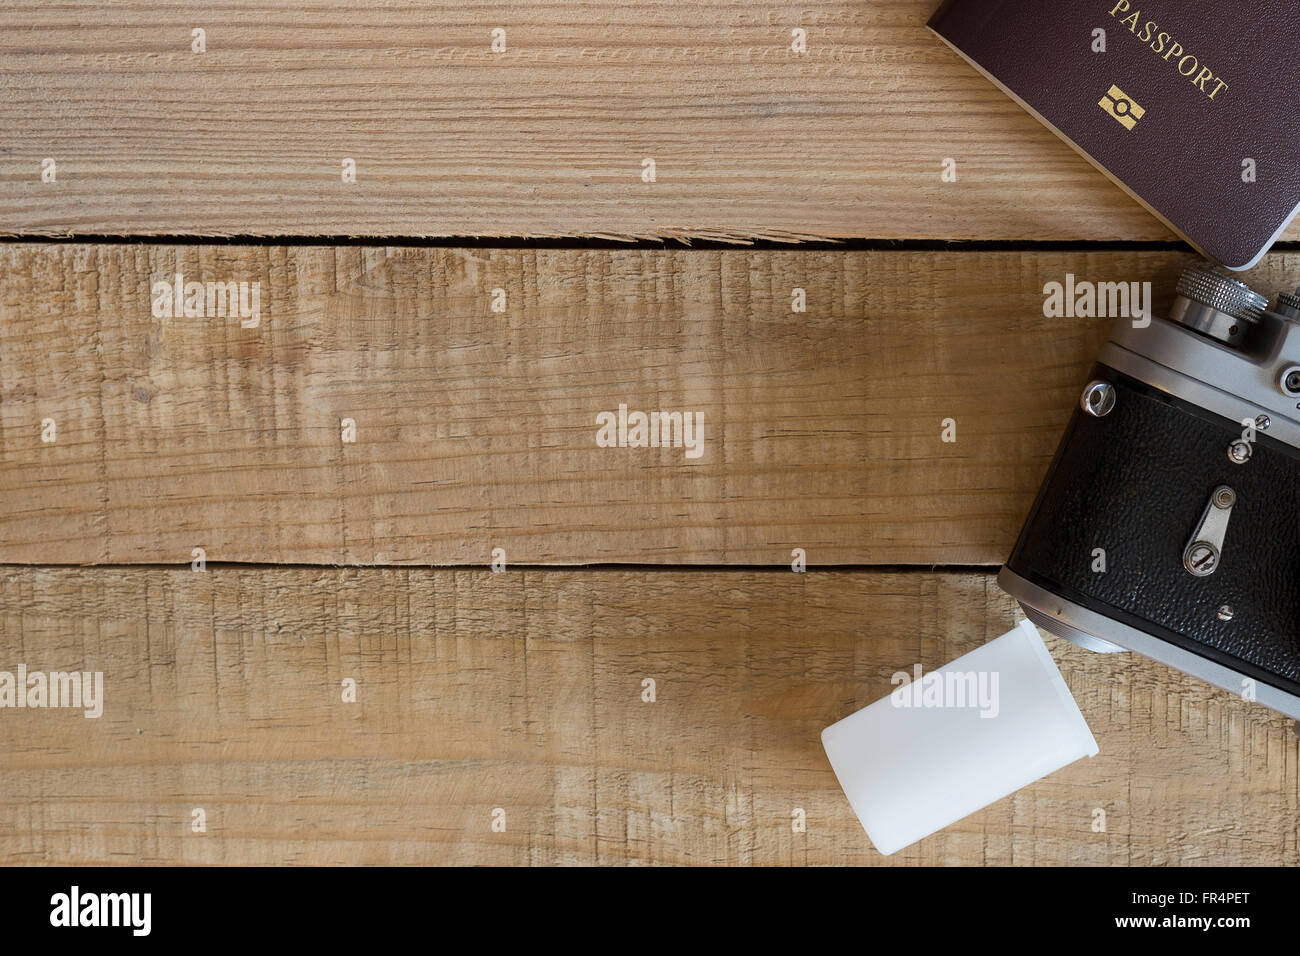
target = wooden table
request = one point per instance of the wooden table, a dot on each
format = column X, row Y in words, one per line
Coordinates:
column 346, row 679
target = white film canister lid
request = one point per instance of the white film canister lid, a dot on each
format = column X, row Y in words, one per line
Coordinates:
column 939, row 748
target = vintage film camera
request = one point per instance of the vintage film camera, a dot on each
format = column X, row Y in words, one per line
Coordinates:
column 1169, row 521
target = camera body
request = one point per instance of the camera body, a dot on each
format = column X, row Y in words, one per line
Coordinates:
column 1169, row 520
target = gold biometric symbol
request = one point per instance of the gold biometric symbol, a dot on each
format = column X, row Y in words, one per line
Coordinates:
column 1122, row 107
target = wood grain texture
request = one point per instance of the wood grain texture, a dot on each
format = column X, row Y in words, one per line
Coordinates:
column 477, row 430
column 545, row 139
column 522, row 690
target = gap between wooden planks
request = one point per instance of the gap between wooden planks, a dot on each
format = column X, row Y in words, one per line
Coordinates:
column 477, row 430
column 546, row 139
column 523, row 691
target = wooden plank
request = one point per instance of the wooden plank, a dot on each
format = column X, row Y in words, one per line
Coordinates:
column 523, row 691
column 478, row 430
column 547, row 138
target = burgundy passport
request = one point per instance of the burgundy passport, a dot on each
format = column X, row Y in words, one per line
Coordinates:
column 1193, row 107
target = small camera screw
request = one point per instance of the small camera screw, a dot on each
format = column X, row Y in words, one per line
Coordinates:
column 1263, row 422
column 1202, row 559
column 1098, row 398
column 1239, row 452
column 1225, row 612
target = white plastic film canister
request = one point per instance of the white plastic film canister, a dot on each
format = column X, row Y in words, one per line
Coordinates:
column 940, row 747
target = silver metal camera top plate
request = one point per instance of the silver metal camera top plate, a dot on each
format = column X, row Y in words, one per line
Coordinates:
column 1236, row 383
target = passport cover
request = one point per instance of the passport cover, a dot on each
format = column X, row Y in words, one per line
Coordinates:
column 1193, row 108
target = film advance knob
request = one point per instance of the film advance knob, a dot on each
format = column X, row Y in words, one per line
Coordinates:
column 1216, row 305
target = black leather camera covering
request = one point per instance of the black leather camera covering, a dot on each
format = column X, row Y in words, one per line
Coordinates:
column 1135, row 483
